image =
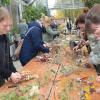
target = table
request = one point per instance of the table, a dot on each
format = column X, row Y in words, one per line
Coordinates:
column 56, row 88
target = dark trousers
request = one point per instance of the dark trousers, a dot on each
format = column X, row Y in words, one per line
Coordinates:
column 2, row 81
column 97, row 68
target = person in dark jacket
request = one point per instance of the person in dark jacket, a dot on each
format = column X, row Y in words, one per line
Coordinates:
column 33, row 44
column 69, row 26
column 7, row 70
column 34, row 23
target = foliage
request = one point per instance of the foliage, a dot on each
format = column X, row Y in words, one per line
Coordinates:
column 32, row 13
column 5, row 2
column 14, row 29
column 72, row 13
column 19, row 94
column 90, row 3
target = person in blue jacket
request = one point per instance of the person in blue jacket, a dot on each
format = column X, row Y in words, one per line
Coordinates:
column 33, row 43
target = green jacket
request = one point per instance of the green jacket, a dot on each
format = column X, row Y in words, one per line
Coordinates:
column 48, row 36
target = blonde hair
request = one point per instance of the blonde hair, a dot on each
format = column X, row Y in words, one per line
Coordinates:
column 47, row 19
column 4, row 13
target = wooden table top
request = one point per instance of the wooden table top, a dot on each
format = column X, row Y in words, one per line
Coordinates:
column 41, row 69
column 45, row 72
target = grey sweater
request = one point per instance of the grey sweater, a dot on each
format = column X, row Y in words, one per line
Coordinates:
column 48, row 36
column 95, row 49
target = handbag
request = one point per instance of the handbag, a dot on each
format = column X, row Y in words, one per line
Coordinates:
column 18, row 49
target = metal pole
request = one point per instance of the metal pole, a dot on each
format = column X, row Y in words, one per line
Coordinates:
column 73, row 8
column 48, row 11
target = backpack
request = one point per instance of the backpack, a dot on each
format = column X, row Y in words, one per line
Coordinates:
column 18, row 49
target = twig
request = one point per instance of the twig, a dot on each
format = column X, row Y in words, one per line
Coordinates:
column 53, row 82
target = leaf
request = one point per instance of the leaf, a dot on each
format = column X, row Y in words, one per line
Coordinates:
column 26, row 89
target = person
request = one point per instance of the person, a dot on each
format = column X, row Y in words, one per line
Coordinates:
column 69, row 25
column 92, row 25
column 33, row 44
column 22, row 28
column 38, row 23
column 80, row 23
column 7, row 69
column 48, row 36
column 35, row 23
column 53, row 23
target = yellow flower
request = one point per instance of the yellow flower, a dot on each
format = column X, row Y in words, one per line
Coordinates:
column 88, row 97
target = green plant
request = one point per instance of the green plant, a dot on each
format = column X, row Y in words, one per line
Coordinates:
column 5, row 2
column 65, row 95
column 32, row 13
column 15, row 29
column 20, row 94
column 91, row 3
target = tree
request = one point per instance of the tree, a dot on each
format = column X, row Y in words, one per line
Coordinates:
column 32, row 13
column 5, row 2
column 90, row 3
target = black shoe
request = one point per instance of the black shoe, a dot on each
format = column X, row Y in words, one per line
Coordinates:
column 2, row 81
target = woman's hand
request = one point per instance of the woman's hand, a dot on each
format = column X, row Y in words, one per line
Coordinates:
column 76, row 48
column 87, row 42
column 15, row 77
column 47, row 45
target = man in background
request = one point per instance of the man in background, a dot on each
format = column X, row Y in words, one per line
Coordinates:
column 22, row 27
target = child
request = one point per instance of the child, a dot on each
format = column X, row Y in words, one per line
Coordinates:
column 7, row 70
